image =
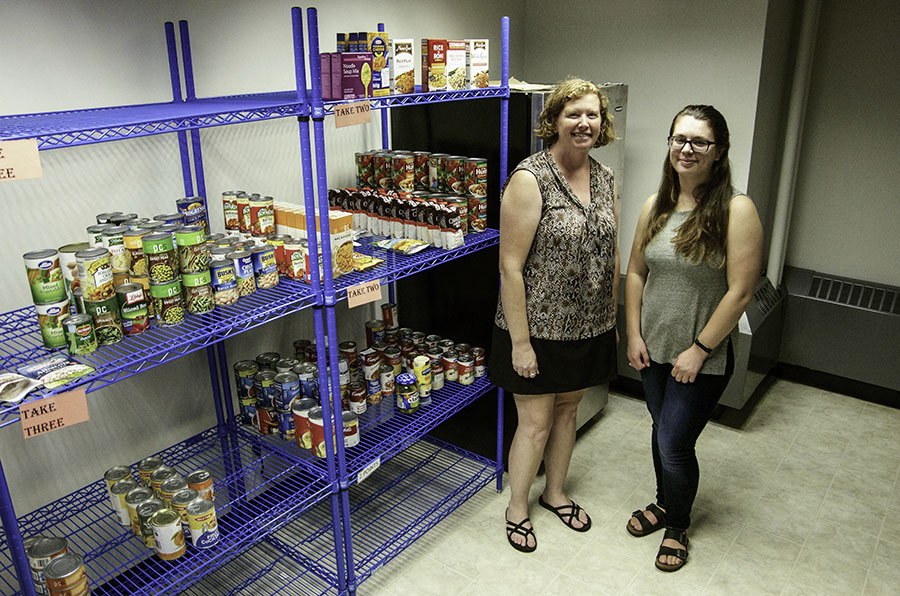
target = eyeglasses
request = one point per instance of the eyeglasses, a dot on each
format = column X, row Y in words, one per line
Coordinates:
column 697, row 145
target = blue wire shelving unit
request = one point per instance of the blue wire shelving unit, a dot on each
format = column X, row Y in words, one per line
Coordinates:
column 287, row 523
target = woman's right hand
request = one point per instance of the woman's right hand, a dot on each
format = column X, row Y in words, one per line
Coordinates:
column 524, row 360
column 638, row 357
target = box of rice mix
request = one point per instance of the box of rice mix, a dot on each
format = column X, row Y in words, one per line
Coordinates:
column 434, row 65
column 378, row 44
column 356, row 75
column 403, row 66
column 456, row 64
column 477, row 59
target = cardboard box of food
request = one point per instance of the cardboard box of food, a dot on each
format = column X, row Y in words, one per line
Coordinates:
column 477, row 62
column 325, row 78
column 434, row 65
column 403, row 66
column 356, row 75
column 456, row 64
column 291, row 219
column 378, row 44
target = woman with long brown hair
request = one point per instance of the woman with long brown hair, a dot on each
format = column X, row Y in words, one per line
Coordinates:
column 694, row 265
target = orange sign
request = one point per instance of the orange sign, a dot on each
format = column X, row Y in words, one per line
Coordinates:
column 349, row 114
column 364, row 293
column 19, row 160
column 53, row 413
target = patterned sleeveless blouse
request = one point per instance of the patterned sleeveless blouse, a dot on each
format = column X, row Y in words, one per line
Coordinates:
column 570, row 268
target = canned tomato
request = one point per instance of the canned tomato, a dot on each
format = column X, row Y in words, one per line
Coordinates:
column 364, row 168
column 40, row 554
column 230, row 209
column 264, row 382
column 160, row 475
column 476, row 191
column 50, row 317
column 107, row 320
column 193, row 253
column 434, row 171
column 265, row 266
column 407, row 393
column 276, row 241
column 287, row 389
column 381, row 169
column 171, row 486
column 194, row 211
column 65, row 572
column 351, row 429
column 317, row 432
column 267, row 420
column 243, row 207
column 145, row 511
column 133, row 498
column 243, row 271
column 224, row 282
column 201, row 514
column 147, row 466
column 117, row 494
column 403, row 171
column 162, row 263
column 95, row 274
column 69, row 267
column 168, row 534
column 387, row 380
column 262, row 215
column 451, row 367
column 95, row 234
column 478, row 354
column 300, row 410
column 198, row 292
column 134, row 309
column 466, row 364
column 179, row 503
column 202, row 482
column 168, row 303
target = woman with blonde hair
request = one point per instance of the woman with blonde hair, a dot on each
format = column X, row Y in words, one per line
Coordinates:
column 554, row 332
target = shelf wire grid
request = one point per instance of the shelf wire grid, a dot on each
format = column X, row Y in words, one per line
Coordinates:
column 21, row 343
column 258, row 490
column 397, row 266
column 411, row 99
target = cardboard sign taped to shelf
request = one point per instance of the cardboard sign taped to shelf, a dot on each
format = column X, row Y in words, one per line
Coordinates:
column 54, row 412
column 19, row 160
column 349, row 114
column 364, row 293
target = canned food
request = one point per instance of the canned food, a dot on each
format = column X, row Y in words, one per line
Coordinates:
column 94, row 274
column 230, row 209
column 69, row 267
column 437, row 368
column 134, row 245
column 265, row 388
column 243, row 271
column 422, row 369
column 300, row 348
column 432, row 341
column 276, row 241
column 114, row 242
column 286, row 425
column 265, row 266
column 179, row 503
column 418, row 338
column 446, row 344
column 295, row 251
column 434, row 171
column 262, row 215
column 202, row 482
column 170, row 218
column 134, row 308
column 394, row 357
column 317, row 432
column 50, row 317
column 224, row 282
column 309, row 384
column 287, row 389
column 194, row 211
column 201, row 514
column 421, row 169
column 478, row 354
column 160, row 475
column 466, row 364
column 64, row 572
column 107, row 320
column 461, row 349
column 198, row 292
column 300, row 410
column 168, row 303
column 116, row 473
column 382, row 171
column 268, row 360
column 171, row 486
column 374, row 331
column 136, row 223
column 162, row 262
column 373, row 393
column 245, row 384
column 40, row 554
column 389, row 315
column 95, row 234
column 145, row 511
column 243, row 211
column 407, row 393
column 348, row 348
column 451, row 367
column 193, row 253
column 286, row 365
column 351, row 429
column 147, row 466
column 387, row 380
column 403, row 170
column 168, row 535
column 267, row 420
column 117, row 494
column 133, row 498
column 358, row 394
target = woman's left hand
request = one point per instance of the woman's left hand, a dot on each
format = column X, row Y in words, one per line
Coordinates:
column 688, row 364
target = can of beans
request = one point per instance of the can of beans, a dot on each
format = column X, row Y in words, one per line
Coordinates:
column 194, row 211
column 243, row 270
column 407, row 393
column 265, row 266
column 147, row 466
column 95, row 234
column 351, row 429
column 162, row 262
column 267, row 420
column 300, row 410
column 202, row 481
column 230, row 209
column 168, row 535
column 262, row 215
column 179, row 503
column 117, row 494
column 40, row 554
column 389, row 317
column 145, row 511
column 193, row 252
column 466, row 364
column 133, row 498
column 107, row 320
column 171, row 486
column 201, row 514
column 160, row 475
column 65, row 574
column 287, row 389
column 224, row 282
column 133, row 307
column 168, row 302
column 94, row 274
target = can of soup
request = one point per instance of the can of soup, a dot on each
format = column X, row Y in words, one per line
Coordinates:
column 201, row 514
column 466, row 364
column 351, row 429
column 147, row 466
column 40, row 553
column 168, row 535
column 300, row 410
column 202, row 481
column 65, row 574
column 134, row 309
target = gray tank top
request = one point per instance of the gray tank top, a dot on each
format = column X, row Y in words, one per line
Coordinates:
column 679, row 298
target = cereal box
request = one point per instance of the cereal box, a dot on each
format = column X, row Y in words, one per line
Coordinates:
column 434, row 65
column 356, row 75
column 403, row 66
column 477, row 63
column 456, row 64
column 378, row 45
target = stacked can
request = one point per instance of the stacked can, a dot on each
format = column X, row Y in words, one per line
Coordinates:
column 194, row 211
column 265, row 266
column 349, row 349
column 134, row 308
column 422, row 372
column 41, row 551
column 65, row 576
column 230, row 209
column 287, row 389
column 300, row 410
column 371, row 364
column 245, row 384
column 201, row 514
column 48, row 291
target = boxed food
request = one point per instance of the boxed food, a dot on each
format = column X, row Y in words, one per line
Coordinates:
column 434, row 65
column 291, row 220
column 341, row 45
column 325, row 68
column 477, row 63
column 403, row 66
column 356, row 75
column 378, row 45
column 456, row 64
column 353, row 42
column 336, row 76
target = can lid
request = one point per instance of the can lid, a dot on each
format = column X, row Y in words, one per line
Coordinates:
column 79, row 319
column 124, row 486
column 173, row 485
column 184, row 496
column 115, row 231
column 162, row 473
column 73, row 248
column 199, row 506
column 116, row 473
column 64, row 566
column 349, row 417
column 303, row 405
column 99, row 227
column 91, row 253
column 246, row 365
column 149, row 507
column 138, row 495
column 286, row 377
column 47, row 546
column 405, row 379
column 164, row 517
column 150, row 463
column 316, row 414
column 198, row 476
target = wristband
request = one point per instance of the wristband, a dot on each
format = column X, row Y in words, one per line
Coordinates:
column 702, row 347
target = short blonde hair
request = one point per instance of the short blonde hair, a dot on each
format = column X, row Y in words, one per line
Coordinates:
column 562, row 94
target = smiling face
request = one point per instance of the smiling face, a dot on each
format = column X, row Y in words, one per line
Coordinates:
column 578, row 124
column 685, row 160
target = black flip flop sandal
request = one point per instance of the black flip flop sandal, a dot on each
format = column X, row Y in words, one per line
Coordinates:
column 567, row 513
column 521, row 530
column 646, row 526
column 680, row 553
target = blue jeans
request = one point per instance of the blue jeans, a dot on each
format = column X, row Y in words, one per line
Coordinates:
column 680, row 411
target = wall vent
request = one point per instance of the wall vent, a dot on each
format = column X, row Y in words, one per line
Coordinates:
column 766, row 297
column 882, row 299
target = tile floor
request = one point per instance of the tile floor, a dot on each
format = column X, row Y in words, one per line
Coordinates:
column 799, row 496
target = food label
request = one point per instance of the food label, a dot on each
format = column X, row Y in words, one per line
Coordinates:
column 53, row 413
column 19, row 160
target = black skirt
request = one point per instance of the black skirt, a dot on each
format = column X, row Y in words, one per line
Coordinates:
column 563, row 365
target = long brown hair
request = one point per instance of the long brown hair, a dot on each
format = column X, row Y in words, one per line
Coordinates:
column 562, row 94
column 702, row 235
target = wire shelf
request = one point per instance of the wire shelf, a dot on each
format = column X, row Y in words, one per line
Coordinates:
column 397, row 266
column 419, row 98
column 21, row 343
column 258, row 490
